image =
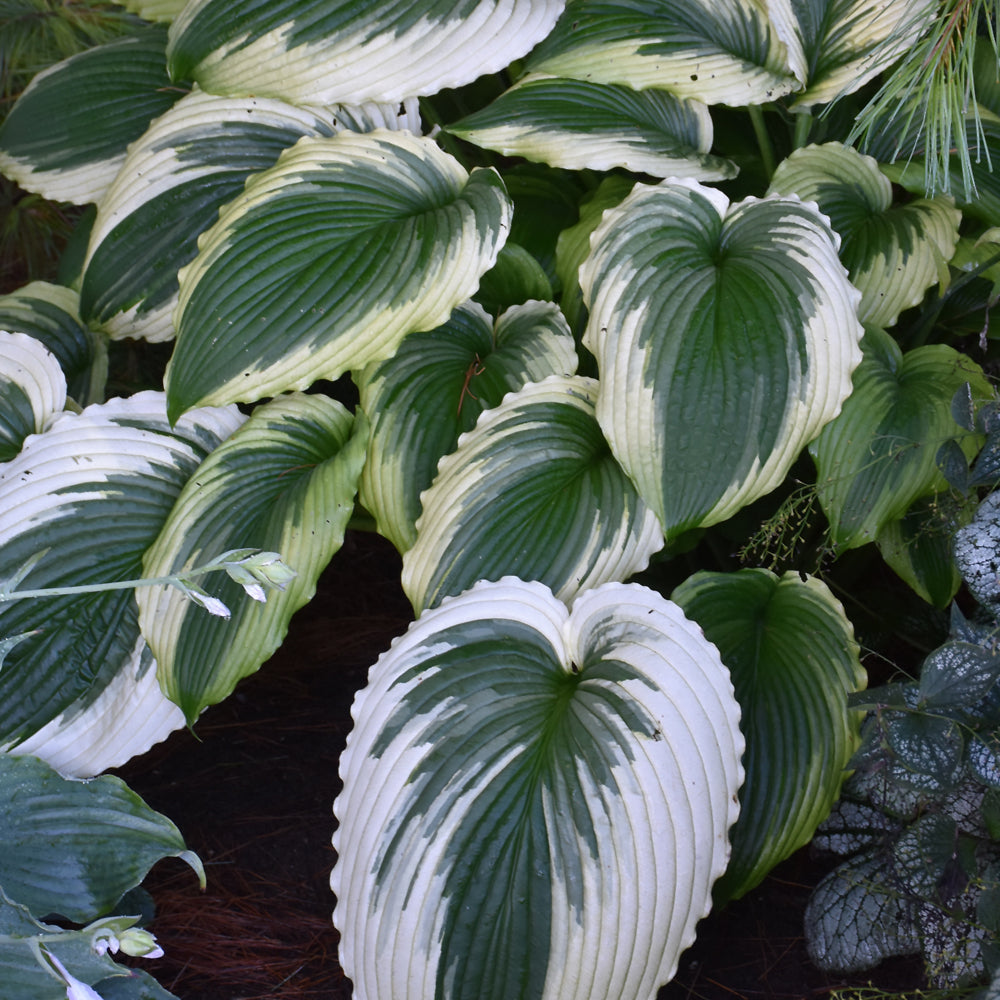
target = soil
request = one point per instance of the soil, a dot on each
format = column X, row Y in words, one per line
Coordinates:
column 252, row 791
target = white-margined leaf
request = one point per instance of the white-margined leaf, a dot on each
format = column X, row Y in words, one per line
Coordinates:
column 535, row 800
column 717, row 51
column 793, row 658
column 880, row 454
column 725, row 336
column 327, row 261
column 285, row 483
column 32, row 390
column 579, row 124
column 893, row 253
column 847, row 42
column 351, row 50
column 51, row 314
column 74, row 848
column 434, row 388
column 533, row 491
column 81, row 504
column 92, row 105
column 190, row 163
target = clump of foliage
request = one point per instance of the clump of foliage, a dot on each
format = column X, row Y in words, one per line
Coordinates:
column 569, row 331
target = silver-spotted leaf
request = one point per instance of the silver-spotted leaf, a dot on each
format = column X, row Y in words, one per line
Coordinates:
column 534, row 491
column 535, row 799
column 327, row 261
column 793, row 658
column 285, row 483
column 351, row 51
column 977, row 553
column 725, row 336
column 854, row 920
column 434, row 388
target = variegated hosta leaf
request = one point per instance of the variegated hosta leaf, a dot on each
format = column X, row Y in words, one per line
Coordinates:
column 80, row 505
column 716, row 51
column 535, row 800
column 92, row 105
column 532, row 491
column 434, row 388
column 327, row 261
column 51, row 314
column 175, row 179
column 579, row 124
column 351, row 50
column 74, row 848
column 879, row 455
column 725, row 336
column 32, row 390
column 284, row 482
column 893, row 253
column 847, row 42
column 793, row 659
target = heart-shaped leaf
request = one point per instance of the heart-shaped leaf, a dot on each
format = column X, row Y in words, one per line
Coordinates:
column 116, row 88
column 579, row 124
column 879, row 455
column 793, row 659
column 893, row 253
column 725, row 336
column 285, row 483
column 535, row 799
column 351, row 51
column 534, row 491
column 434, row 388
column 80, row 505
column 327, row 261
column 716, row 51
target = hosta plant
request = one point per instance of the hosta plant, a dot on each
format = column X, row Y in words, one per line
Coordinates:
column 551, row 294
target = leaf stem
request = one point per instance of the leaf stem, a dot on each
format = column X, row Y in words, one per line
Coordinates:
column 763, row 139
column 803, row 125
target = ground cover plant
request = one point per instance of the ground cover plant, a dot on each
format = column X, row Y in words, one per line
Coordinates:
column 597, row 313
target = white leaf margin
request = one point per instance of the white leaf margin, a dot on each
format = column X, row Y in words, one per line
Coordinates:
column 643, row 916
